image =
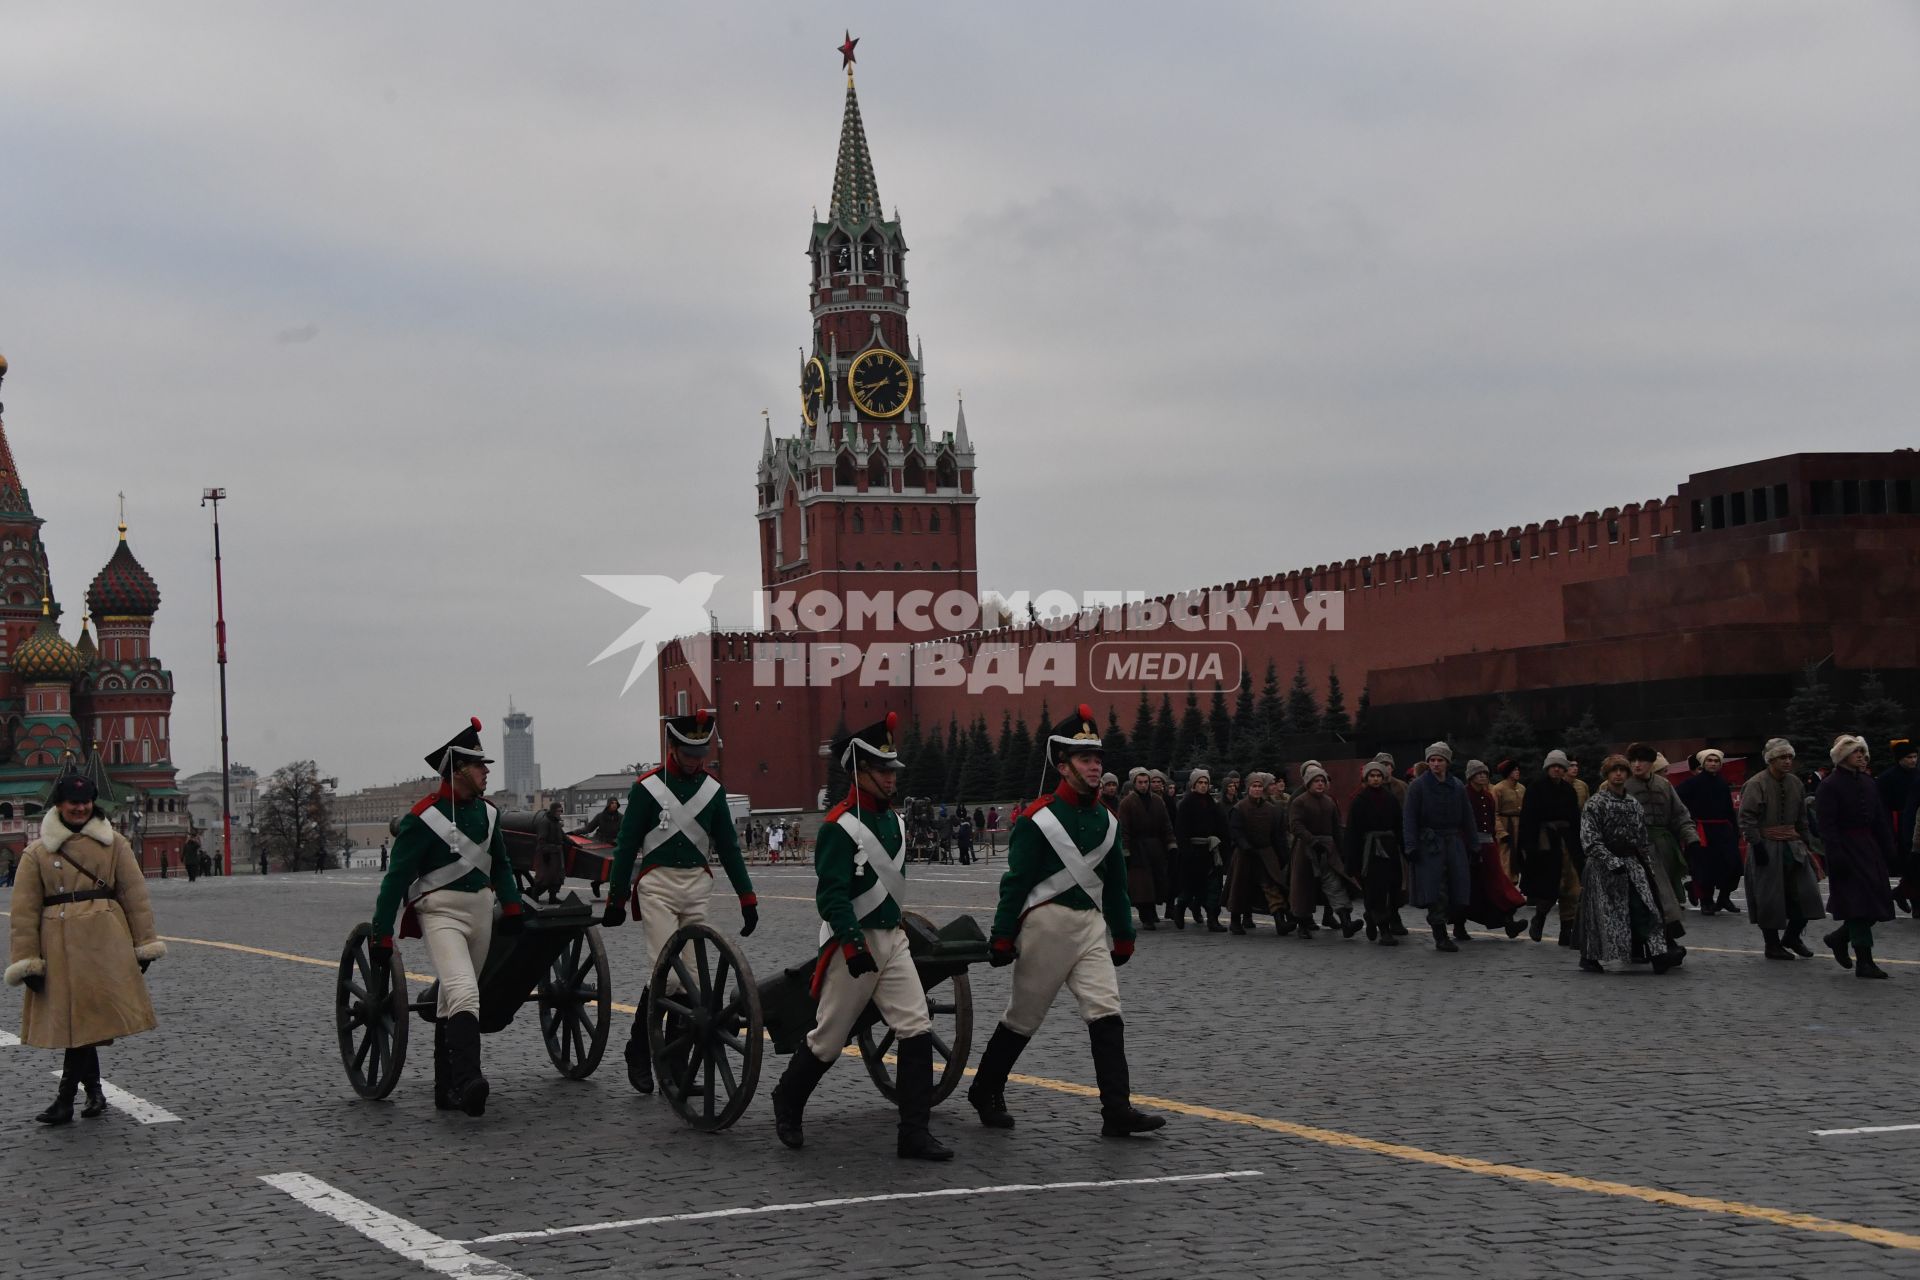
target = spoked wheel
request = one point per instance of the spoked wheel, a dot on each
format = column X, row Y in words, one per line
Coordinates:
column 370, row 1010
column 950, row 1009
column 704, row 1027
column 576, row 1005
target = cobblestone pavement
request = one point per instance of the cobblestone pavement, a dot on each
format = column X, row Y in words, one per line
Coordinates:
column 1492, row 1113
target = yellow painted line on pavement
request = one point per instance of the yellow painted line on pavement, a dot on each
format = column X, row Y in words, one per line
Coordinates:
column 1392, row 1150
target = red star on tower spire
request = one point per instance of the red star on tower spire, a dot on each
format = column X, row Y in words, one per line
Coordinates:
column 846, row 54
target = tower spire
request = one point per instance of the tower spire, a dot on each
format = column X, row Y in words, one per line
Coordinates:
column 856, row 194
column 13, row 495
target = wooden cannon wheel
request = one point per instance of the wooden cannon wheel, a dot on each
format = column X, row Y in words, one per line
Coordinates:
column 370, row 1012
column 950, row 1008
column 576, row 1005
column 704, row 1026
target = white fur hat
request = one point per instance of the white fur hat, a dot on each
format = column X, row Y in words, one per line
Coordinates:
column 1311, row 771
column 1473, row 767
column 1440, row 749
column 1777, row 747
column 1846, row 744
column 1382, row 768
column 1556, row 757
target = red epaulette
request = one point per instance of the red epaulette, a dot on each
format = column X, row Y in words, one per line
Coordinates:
column 833, row 814
column 428, row 801
column 1035, row 807
column 648, row 774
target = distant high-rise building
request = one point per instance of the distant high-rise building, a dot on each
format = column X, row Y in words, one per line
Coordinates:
column 523, row 774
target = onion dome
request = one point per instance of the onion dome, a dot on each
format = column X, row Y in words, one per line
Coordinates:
column 44, row 655
column 123, row 588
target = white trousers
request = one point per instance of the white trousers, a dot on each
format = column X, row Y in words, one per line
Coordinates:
column 457, row 927
column 894, row 989
column 670, row 897
column 1060, row 946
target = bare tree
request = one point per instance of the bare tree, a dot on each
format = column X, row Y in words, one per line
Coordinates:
column 293, row 820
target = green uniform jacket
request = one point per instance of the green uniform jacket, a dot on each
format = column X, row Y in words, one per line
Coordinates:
column 643, row 815
column 1031, row 859
column 843, row 876
column 417, row 850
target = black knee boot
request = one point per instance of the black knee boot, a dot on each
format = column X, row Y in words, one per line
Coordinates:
column 987, row 1093
column 1793, row 942
column 442, row 1071
column 61, row 1112
column 1537, row 927
column 1118, row 1119
column 1348, row 925
column 1837, row 940
column 465, row 1085
column 790, row 1095
column 90, row 1082
column 913, row 1081
column 1437, row 921
column 1774, row 951
column 639, row 1052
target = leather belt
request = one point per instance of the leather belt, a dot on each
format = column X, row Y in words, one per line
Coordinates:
column 78, row 895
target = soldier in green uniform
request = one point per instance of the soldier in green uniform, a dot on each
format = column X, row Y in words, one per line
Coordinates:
column 450, row 865
column 860, row 861
column 676, row 815
column 1063, row 899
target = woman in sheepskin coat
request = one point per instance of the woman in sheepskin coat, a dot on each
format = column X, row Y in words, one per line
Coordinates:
column 82, row 936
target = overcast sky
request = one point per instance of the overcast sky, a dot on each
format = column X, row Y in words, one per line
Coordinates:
column 463, row 301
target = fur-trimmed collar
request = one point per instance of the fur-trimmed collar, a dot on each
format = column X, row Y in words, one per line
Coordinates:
column 54, row 833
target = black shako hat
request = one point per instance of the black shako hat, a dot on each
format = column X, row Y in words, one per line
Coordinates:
column 871, row 746
column 1075, row 734
column 462, row 748
column 692, row 734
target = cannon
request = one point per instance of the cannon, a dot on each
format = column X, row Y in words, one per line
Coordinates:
column 556, row 960
column 708, row 1019
column 533, row 837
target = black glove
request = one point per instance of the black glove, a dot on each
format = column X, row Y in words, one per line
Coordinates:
column 749, row 918
column 381, row 950
column 144, row 964
column 615, row 913
column 1001, row 953
column 1760, row 853
column 512, row 920
column 36, row 983
column 860, row 963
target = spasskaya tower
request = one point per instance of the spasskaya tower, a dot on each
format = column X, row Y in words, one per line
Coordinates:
column 866, row 495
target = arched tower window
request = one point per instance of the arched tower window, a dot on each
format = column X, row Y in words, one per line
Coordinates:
column 946, row 473
column 916, row 474
column 840, row 253
column 933, row 525
column 877, row 476
column 872, row 251
column 896, row 524
column 859, row 521
column 843, row 472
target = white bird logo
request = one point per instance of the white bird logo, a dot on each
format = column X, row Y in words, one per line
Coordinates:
column 673, row 609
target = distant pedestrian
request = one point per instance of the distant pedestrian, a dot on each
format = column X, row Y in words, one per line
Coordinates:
column 383, row 855
column 190, row 858
column 1859, row 851
column 11, row 864
column 163, row 864
column 963, row 835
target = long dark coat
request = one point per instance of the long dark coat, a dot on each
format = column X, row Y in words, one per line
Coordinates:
column 1715, row 861
column 1549, row 834
column 1858, row 846
column 1147, row 836
column 1314, row 821
column 1439, row 833
column 1258, row 829
column 1373, row 849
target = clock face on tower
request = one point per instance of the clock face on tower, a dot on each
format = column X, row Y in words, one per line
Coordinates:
column 813, row 388
column 881, row 383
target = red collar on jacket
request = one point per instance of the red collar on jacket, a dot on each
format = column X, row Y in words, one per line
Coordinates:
column 1074, row 796
column 861, row 798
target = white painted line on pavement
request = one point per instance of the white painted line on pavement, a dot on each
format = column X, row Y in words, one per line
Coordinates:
column 1877, row 1128
column 137, row 1107
column 436, row 1253
column 842, row 1201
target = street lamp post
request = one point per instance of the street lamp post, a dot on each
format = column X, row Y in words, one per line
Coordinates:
column 220, row 649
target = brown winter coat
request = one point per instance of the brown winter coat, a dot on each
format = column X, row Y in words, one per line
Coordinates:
column 88, row 951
